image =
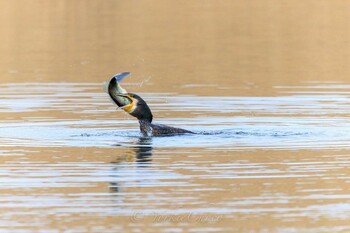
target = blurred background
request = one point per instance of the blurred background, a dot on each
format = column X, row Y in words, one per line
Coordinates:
column 263, row 83
column 247, row 46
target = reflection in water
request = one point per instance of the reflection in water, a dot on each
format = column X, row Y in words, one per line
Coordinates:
column 143, row 153
column 143, row 150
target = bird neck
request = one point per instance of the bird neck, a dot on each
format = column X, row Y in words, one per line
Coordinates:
column 145, row 127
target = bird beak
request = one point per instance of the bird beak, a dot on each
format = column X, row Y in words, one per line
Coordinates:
column 125, row 96
column 129, row 108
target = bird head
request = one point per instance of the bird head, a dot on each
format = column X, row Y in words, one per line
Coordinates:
column 137, row 107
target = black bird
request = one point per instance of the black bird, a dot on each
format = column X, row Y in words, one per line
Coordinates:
column 137, row 107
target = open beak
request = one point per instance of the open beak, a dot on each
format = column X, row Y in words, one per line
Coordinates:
column 121, row 99
column 130, row 102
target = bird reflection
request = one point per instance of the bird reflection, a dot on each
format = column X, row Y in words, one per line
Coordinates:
column 142, row 155
column 143, row 150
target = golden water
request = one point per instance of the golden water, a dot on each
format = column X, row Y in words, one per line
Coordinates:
column 264, row 84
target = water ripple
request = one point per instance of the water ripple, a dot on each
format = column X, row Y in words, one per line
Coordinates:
column 300, row 121
column 68, row 154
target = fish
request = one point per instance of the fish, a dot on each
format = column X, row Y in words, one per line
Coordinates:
column 116, row 91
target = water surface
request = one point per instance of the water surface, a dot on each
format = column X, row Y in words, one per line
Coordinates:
column 67, row 153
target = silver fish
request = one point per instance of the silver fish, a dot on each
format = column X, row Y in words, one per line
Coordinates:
column 116, row 92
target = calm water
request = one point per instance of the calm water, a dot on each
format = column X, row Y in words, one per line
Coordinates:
column 264, row 84
column 71, row 162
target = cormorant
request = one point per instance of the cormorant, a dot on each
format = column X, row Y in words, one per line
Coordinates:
column 137, row 107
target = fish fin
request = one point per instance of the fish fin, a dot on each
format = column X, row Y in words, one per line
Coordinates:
column 119, row 77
